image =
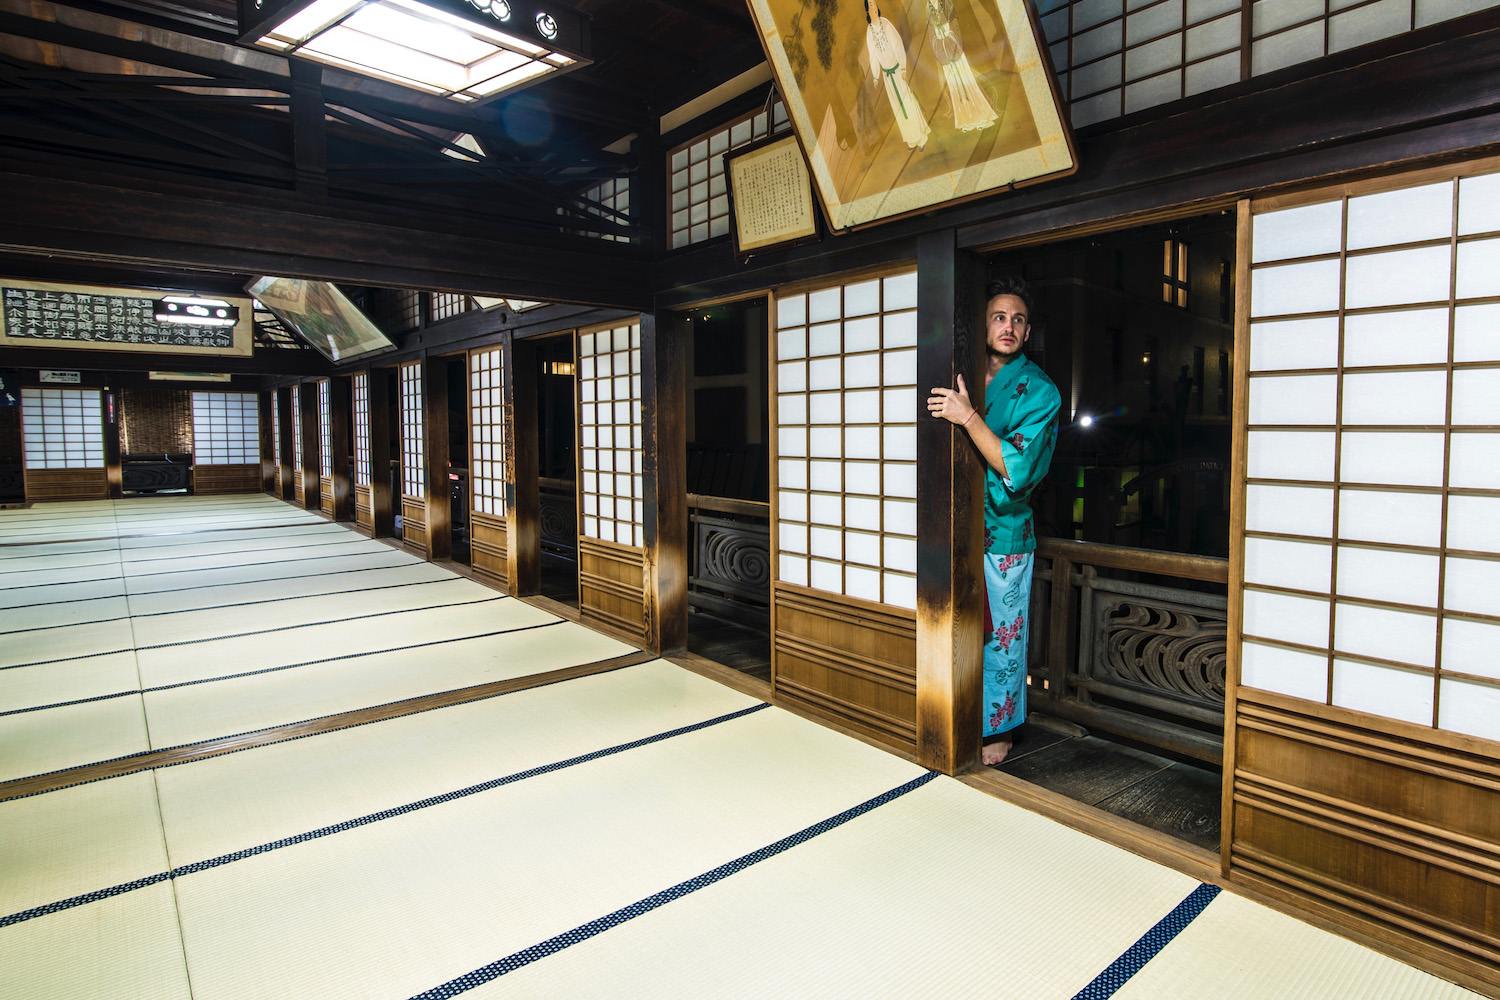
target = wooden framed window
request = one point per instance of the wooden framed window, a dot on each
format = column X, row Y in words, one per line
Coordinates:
column 362, row 428
column 297, row 430
column 1174, row 273
column 1372, row 449
column 611, row 490
column 325, row 431
column 699, row 193
column 1114, row 58
column 275, row 432
column 446, row 305
column 846, row 463
column 63, row 428
column 413, row 449
column 487, row 419
column 226, row 428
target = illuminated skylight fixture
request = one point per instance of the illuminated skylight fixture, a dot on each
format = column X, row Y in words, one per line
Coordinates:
column 196, row 311
column 468, row 50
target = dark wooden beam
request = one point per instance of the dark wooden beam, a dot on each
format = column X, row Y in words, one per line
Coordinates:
column 382, row 420
column 950, row 584
column 263, row 362
column 664, row 476
column 341, row 443
column 312, row 467
column 283, row 405
column 439, row 492
column 523, row 514
column 187, row 227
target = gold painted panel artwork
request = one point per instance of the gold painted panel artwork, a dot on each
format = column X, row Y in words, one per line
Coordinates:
column 906, row 105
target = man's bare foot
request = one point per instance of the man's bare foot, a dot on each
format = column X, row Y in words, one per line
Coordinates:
column 994, row 753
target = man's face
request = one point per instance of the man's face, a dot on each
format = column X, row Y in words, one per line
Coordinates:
column 1007, row 326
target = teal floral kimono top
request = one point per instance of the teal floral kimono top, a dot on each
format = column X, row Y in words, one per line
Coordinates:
column 1020, row 406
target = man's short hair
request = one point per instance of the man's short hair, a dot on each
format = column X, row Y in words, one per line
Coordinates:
column 1011, row 284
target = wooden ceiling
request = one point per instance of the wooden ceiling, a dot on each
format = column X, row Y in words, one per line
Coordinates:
column 156, row 96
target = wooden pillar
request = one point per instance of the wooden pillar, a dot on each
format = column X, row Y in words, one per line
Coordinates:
column 382, row 514
column 113, row 473
column 266, row 404
column 283, row 403
column 312, row 466
column 340, row 407
column 950, row 528
column 664, row 469
column 438, row 488
column 523, row 508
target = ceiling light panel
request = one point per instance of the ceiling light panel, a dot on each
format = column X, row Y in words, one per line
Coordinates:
column 463, row 49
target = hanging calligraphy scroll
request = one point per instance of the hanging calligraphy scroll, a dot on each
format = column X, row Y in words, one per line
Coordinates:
column 770, row 196
column 903, row 106
column 36, row 314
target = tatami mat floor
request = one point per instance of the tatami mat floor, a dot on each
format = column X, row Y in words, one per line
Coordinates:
column 640, row 832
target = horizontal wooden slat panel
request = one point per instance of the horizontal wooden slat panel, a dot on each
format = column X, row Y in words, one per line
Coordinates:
column 66, row 484
column 847, row 660
column 1401, row 830
column 487, row 548
column 364, row 512
column 325, row 495
column 298, row 491
column 612, row 587
column 414, row 525
column 209, row 479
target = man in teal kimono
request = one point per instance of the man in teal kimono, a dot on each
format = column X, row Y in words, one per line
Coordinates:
column 1015, row 434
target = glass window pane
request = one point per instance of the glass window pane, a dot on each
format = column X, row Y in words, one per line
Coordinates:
column 1396, row 458
column 1391, row 518
column 1396, row 398
column 1292, row 510
column 1388, row 575
column 1293, row 399
column 1276, row 562
column 1295, row 288
column 1467, row 707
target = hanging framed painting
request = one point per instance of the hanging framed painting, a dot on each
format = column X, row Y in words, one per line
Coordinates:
column 903, row 106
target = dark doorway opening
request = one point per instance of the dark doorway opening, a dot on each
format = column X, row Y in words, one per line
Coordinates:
column 458, row 457
column 557, row 464
column 728, row 478
column 1126, row 702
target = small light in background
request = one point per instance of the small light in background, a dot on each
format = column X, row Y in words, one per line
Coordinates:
column 1085, row 421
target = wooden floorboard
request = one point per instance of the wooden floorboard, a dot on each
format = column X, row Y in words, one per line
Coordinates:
column 1180, row 800
column 1087, row 770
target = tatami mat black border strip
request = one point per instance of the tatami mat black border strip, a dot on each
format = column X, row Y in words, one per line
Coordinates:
column 288, row 739
column 593, row 928
column 375, row 817
column 211, row 607
column 1109, row 982
column 208, row 586
column 278, row 669
column 246, row 635
column 122, row 561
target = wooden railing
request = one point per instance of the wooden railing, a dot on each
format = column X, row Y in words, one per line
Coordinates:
column 730, row 574
column 1138, row 657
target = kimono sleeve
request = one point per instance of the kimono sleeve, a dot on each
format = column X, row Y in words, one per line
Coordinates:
column 1027, row 445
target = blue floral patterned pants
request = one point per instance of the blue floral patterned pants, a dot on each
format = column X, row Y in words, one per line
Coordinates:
column 1007, row 618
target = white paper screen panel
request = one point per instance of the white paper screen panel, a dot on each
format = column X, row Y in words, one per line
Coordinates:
column 296, row 430
column 846, row 469
column 275, row 431
column 226, row 428
column 362, row 428
column 1372, row 514
column 487, row 429
column 63, row 428
column 1115, row 57
column 611, row 490
column 413, row 457
column 700, row 197
column 325, row 430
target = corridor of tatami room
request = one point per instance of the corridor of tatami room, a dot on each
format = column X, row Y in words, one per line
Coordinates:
column 248, row 753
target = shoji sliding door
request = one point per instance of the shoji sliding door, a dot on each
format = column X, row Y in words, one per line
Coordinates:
column 275, row 443
column 1366, row 724
column 298, row 486
column 413, row 461
column 325, row 448
column 844, row 595
column 63, row 444
column 364, row 511
column 488, row 469
column 611, row 537
column 226, row 442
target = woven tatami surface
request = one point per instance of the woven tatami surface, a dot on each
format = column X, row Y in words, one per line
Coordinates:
column 642, row 832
